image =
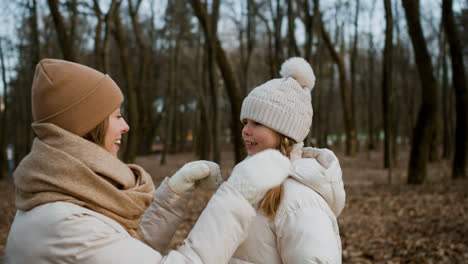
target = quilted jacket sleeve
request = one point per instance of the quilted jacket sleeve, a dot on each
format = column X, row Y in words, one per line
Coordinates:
column 161, row 219
column 307, row 235
column 221, row 228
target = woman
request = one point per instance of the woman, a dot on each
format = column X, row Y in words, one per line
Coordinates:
column 78, row 203
column 295, row 222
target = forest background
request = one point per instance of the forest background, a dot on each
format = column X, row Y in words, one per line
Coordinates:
column 391, row 91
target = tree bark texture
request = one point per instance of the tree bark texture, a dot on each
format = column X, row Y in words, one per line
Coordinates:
column 277, row 14
column 446, row 96
column 425, row 124
column 3, row 116
column 293, row 50
column 215, row 93
column 132, row 107
column 370, row 96
column 354, row 54
column 144, row 56
column 459, row 82
column 387, row 90
column 271, row 53
column 65, row 41
column 348, row 115
column 229, row 80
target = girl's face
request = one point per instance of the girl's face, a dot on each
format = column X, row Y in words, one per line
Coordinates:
column 117, row 127
column 258, row 137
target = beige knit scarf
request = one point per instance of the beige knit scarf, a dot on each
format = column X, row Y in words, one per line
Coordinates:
column 65, row 167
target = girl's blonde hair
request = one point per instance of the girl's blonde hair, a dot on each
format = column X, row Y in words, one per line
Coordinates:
column 272, row 199
column 98, row 134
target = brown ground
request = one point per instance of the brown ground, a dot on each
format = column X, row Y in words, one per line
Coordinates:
column 381, row 223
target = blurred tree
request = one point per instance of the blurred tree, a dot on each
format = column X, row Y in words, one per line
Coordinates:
column 141, row 87
column 353, row 59
column 65, row 38
column 369, row 90
column 293, row 50
column 425, row 125
column 387, row 93
column 247, row 43
column 131, row 95
column 228, row 76
column 271, row 59
column 446, row 98
column 348, row 114
column 3, row 114
column 277, row 16
column 459, row 82
column 102, row 45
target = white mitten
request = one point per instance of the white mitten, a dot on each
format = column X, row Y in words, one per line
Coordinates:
column 205, row 174
column 259, row 173
column 330, row 184
column 324, row 156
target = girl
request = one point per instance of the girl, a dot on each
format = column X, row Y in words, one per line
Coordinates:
column 295, row 222
column 78, row 203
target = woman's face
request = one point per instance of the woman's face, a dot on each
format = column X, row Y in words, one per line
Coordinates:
column 117, row 127
column 258, row 137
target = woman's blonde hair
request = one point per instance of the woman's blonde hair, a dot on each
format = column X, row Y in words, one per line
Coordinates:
column 272, row 199
column 98, row 134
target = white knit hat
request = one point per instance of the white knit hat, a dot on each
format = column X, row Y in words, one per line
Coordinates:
column 284, row 104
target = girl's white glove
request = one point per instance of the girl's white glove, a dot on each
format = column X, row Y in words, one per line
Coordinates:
column 205, row 174
column 259, row 173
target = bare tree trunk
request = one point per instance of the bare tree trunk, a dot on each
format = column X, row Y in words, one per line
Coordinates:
column 170, row 102
column 229, row 80
column 397, row 88
column 3, row 116
column 132, row 138
column 309, row 22
column 65, row 41
column 425, row 125
column 73, row 9
column 446, row 106
column 101, row 46
column 293, row 50
column 370, row 97
column 114, row 7
column 144, row 56
column 459, row 83
column 250, row 39
column 271, row 53
column 97, row 37
column 35, row 34
column 215, row 93
column 168, row 133
column 204, row 128
column 371, row 144
column 354, row 58
column 348, row 115
column 277, row 22
column 387, row 93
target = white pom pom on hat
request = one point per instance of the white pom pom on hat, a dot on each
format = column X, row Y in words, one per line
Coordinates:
column 300, row 70
column 284, row 104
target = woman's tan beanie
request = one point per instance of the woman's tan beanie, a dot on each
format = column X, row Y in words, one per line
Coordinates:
column 72, row 96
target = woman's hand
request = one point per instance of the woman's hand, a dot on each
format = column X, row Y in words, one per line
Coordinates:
column 205, row 174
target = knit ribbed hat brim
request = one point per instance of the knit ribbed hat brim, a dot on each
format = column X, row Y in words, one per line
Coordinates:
column 72, row 96
column 284, row 104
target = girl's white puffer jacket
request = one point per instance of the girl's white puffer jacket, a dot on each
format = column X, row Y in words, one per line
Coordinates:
column 305, row 228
